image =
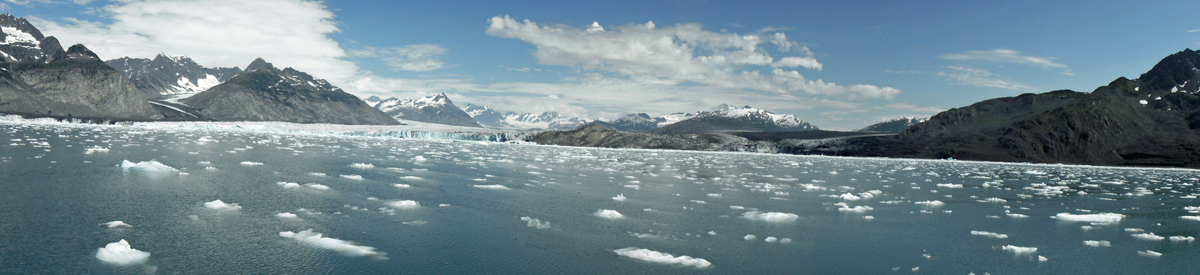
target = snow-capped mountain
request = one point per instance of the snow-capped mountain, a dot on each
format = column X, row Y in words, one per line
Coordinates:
column 511, row 120
column 433, row 109
column 39, row 78
column 166, row 76
column 639, row 122
column 265, row 93
column 728, row 118
column 894, row 125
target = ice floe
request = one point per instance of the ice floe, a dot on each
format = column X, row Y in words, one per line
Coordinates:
column 353, row 177
column 776, row 217
column 491, row 186
column 362, row 165
column 288, row 184
column 317, row 186
column 619, row 197
column 405, row 204
column 220, row 205
column 992, row 235
column 286, row 215
column 251, row 163
column 608, row 214
column 121, row 253
column 662, row 258
column 116, row 224
column 1096, row 218
column 149, row 167
column 1019, row 250
column 535, row 223
column 1148, row 237
column 344, row 247
column 1093, row 243
column 933, row 203
column 1149, row 253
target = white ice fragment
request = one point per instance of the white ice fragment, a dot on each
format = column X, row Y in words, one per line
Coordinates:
column 1131, row 229
column 1097, row 243
column 95, row 149
column 492, row 186
column 316, row 174
column 771, row 239
column 344, row 247
column 750, row 237
column 120, row 253
column 317, row 186
column 1042, row 258
column 288, row 184
column 1096, row 218
column 251, row 163
column 220, row 205
column 353, row 177
column 1019, row 250
column 1149, row 253
column 776, row 217
column 619, row 197
column 1194, row 218
column 285, row 215
column 608, row 214
column 401, row 185
column 992, row 235
column 1182, row 238
column 362, row 165
column 949, row 185
column 405, row 204
column 934, row 203
column 1148, row 237
column 535, row 223
column 151, row 167
column 662, row 258
column 849, row 197
column 115, row 224
column 785, row 240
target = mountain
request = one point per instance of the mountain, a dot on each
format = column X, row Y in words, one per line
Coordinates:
column 1153, row 120
column 264, row 93
column 166, row 76
column 893, row 126
column 39, row 78
column 510, row 120
column 726, row 118
column 639, row 122
column 433, row 109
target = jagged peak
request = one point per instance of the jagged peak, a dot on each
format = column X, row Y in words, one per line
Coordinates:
column 259, row 63
column 1173, row 70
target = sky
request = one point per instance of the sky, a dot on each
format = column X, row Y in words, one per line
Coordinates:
column 840, row 65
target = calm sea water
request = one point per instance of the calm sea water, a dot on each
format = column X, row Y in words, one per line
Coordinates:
column 424, row 207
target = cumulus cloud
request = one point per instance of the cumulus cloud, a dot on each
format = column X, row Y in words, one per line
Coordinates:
column 967, row 76
column 662, row 258
column 225, row 33
column 417, row 58
column 676, row 54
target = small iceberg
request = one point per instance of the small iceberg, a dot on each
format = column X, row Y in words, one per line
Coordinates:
column 120, row 253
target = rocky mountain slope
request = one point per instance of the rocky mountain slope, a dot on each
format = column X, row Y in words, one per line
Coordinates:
column 727, row 118
column 166, row 76
column 265, row 93
column 433, row 109
column 39, row 78
column 528, row 121
column 893, row 126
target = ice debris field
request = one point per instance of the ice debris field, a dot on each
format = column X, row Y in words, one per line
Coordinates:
column 227, row 198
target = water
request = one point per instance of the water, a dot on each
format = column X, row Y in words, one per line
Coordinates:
column 472, row 197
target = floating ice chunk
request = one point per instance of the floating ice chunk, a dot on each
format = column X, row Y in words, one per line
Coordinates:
column 115, row 224
column 220, row 205
column 662, row 258
column 992, row 235
column 608, row 214
column 934, row 203
column 620, row 197
column 286, row 215
column 316, row 174
column 288, row 184
column 535, row 223
column 785, row 240
column 251, row 163
column 1182, row 238
column 1042, row 258
column 1015, row 215
column 120, row 253
column 1131, row 229
column 420, row 222
column 412, row 178
column 949, row 185
column 95, row 149
column 401, row 185
column 1149, row 253
column 492, row 186
column 737, row 207
column 317, row 186
column 353, row 177
column 776, row 217
column 1096, row 218
column 993, row 200
column 849, row 197
column 750, row 237
column 344, row 247
column 1097, row 243
column 362, row 165
column 1148, row 237
column 771, row 239
column 419, row 158
column 1194, row 218
column 150, row 167
column 1019, row 250
column 404, row 204
column 843, row 207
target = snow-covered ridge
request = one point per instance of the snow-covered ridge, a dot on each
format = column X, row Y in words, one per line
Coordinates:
column 15, row 36
column 390, row 104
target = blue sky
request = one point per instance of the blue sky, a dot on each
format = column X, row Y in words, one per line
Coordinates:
column 838, row 64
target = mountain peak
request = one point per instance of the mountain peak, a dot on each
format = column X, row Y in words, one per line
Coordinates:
column 259, row 63
column 1173, row 71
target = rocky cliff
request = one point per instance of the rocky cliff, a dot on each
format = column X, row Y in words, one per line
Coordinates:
column 265, row 93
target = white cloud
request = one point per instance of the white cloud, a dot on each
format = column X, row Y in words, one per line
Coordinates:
column 418, row 58
column 981, row 78
column 225, row 33
column 1008, row 56
column 673, row 55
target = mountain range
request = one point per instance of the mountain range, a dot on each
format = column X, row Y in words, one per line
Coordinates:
column 433, row 109
column 166, row 76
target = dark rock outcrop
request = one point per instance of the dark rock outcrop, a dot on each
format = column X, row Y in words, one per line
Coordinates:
column 38, row 78
column 264, row 93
